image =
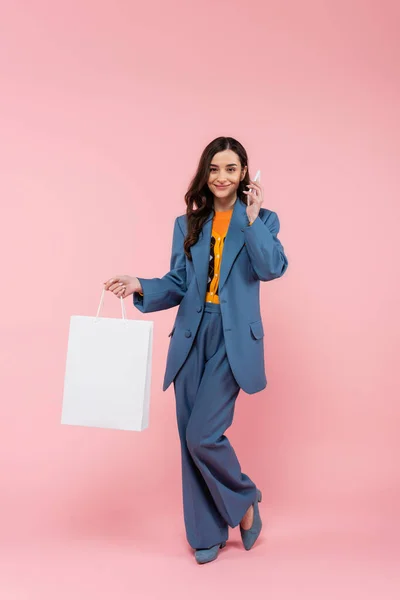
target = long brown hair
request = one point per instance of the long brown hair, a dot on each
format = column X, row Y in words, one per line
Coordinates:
column 199, row 192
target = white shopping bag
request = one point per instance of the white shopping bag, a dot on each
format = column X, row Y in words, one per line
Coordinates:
column 108, row 372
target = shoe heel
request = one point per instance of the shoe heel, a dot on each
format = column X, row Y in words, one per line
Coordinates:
column 222, row 545
column 259, row 495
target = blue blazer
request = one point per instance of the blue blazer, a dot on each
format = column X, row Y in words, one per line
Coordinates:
column 251, row 254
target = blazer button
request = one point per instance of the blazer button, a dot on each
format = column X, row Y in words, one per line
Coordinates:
column 242, row 229
column 188, row 333
column 199, row 308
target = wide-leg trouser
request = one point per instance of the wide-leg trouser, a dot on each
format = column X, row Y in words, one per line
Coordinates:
column 215, row 491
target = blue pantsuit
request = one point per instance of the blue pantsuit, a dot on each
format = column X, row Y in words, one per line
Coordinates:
column 215, row 350
column 215, row 491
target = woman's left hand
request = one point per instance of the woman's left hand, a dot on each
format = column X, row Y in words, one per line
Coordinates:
column 254, row 200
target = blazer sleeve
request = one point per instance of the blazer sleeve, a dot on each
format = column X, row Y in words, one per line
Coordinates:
column 160, row 293
column 267, row 255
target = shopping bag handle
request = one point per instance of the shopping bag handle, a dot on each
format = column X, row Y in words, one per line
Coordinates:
column 101, row 306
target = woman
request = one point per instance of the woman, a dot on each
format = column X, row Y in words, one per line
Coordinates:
column 222, row 248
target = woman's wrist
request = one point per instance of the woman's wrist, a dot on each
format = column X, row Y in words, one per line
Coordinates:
column 138, row 287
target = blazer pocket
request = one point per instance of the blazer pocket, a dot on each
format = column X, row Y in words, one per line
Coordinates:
column 257, row 329
column 173, row 329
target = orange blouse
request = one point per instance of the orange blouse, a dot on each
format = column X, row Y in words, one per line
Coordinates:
column 219, row 230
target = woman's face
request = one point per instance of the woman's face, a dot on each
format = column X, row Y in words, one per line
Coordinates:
column 225, row 174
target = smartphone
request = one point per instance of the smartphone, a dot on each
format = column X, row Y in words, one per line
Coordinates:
column 256, row 178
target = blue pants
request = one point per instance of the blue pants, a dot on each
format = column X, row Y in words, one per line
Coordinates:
column 215, row 491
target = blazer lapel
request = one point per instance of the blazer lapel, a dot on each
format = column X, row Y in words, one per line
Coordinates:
column 200, row 252
column 234, row 241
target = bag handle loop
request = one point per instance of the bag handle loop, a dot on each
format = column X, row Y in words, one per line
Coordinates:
column 101, row 306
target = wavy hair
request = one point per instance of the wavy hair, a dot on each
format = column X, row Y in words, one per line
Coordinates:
column 199, row 193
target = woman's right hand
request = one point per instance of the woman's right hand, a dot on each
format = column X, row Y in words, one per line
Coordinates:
column 123, row 285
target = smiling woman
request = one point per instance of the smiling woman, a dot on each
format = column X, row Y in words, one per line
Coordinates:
column 223, row 246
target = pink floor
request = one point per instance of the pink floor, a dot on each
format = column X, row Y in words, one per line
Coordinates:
column 293, row 559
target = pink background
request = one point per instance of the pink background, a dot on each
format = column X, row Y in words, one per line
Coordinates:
column 105, row 108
